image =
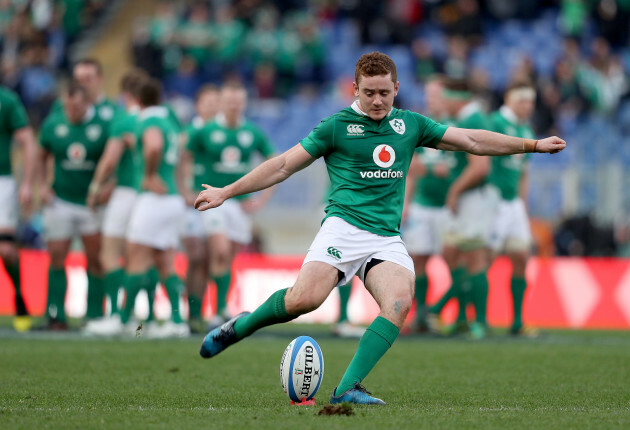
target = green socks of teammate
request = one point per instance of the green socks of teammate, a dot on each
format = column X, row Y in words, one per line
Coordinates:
column 457, row 276
column 223, row 286
column 111, row 283
column 422, row 285
column 479, row 284
column 13, row 270
column 194, row 306
column 95, row 296
column 273, row 311
column 55, row 304
column 344, row 298
column 132, row 283
column 174, row 288
column 378, row 338
column 518, row 293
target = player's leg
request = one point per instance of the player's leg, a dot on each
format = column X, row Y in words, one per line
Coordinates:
column 518, row 287
column 314, row 283
column 57, row 283
column 476, row 266
column 421, row 288
column 222, row 253
column 196, row 278
column 137, row 277
column 111, row 257
column 392, row 287
column 96, row 289
column 165, row 263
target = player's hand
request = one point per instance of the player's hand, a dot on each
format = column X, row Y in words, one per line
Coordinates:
column 189, row 198
column 48, row 195
column 252, row 205
column 154, row 184
column 452, row 198
column 25, row 197
column 209, row 198
column 551, row 145
column 441, row 170
column 105, row 193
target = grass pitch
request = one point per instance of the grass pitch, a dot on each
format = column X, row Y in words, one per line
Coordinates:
column 562, row 380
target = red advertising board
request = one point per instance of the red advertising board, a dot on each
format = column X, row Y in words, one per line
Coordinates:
column 562, row 292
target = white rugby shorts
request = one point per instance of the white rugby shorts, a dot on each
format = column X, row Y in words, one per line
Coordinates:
column 192, row 224
column 64, row 220
column 424, row 229
column 230, row 220
column 471, row 227
column 350, row 249
column 155, row 220
column 9, row 209
column 118, row 212
column 510, row 232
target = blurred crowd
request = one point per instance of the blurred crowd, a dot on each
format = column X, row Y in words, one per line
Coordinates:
column 34, row 39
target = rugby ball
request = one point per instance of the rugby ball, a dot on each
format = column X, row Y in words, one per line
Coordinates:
column 302, row 369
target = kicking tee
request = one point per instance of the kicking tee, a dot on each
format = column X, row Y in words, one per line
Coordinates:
column 368, row 161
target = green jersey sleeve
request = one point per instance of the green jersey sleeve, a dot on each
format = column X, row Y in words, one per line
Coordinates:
column 45, row 134
column 17, row 114
column 193, row 140
column 430, row 133
column 320, row 141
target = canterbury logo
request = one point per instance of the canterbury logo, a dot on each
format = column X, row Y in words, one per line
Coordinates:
column 355, row 129
column 334, row 252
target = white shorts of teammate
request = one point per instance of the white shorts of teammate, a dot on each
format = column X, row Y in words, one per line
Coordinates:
column 351, row 249
column 155, row 221
column 9, row 211
column 424, row 229
column 511, row 232
column 192, row 224
column 64, row 220
column 229, row 219
column 471, row 227
column 118, row 212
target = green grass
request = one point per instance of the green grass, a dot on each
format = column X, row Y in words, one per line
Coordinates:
column 563, row 380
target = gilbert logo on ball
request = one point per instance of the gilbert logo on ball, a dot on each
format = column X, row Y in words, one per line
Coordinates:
column 302, row 369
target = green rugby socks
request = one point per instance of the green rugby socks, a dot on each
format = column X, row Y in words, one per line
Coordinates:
column 273, row 311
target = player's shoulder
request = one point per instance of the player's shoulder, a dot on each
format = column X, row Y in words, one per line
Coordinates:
column 8, row 95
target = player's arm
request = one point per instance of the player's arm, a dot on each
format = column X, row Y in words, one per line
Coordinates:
column 523, row 185
column 267, row 174
column 45, row 177
column 152, row 149
column 25, row 138
column 184, row 174
column 260, row 200
column 476, row 170
column 105, row 168
column 483, row 142
column 416, row 169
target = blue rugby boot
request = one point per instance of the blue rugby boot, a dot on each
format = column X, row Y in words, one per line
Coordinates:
column 358, row 395
column 220, row 338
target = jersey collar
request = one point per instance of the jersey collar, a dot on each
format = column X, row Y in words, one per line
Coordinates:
column 153, row 111
column 355, row 107
column 468, row 109
column 220, row 119
column 509, row 114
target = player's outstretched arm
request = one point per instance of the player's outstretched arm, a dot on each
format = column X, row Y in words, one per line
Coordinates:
column 483, row 142
column 271, row 172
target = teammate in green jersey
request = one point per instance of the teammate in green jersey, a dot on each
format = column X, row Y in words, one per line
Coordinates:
column 14, row 127
column 223, row 151
column 511, row 233
column 88, row 73
column 425, row 202
column 74, row 139
column 367, row 148
column 471, row 202
column 153, row 232
column 118, row 163
column 193, row 236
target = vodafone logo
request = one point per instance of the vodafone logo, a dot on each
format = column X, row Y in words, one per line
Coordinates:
column 384, row 156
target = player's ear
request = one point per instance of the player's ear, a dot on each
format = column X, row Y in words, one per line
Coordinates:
column 355, row 88
column 396, row 88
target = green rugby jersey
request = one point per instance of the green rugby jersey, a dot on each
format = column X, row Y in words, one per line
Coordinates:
column 159, row 117
column 76, row 149
column 431, row 190
column 507, row 169
column 470, row 117
column 124, row 126
column 12, row 118
column 223, row 155
column 368, row 161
